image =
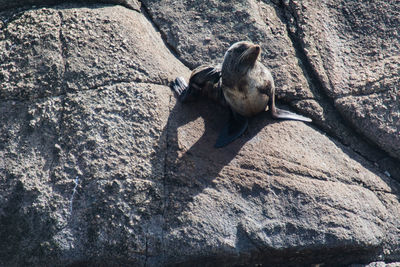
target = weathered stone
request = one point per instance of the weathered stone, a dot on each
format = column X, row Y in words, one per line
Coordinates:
column 376, row 116
column 266, row 23
column 284, row 190
column 81, row 171
column 67, row 39
column 98, row 141
column 353, row 47
column 99, row 165
column 31, row 55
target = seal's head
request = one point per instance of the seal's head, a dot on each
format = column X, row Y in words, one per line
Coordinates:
column 239, row 58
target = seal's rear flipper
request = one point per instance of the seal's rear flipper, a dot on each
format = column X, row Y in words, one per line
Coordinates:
column 236, row 126
column 284, row 114
column 180, row 87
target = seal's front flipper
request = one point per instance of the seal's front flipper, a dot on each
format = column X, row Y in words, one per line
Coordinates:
column 236, row 126
column 284, row 114
column 205, row 74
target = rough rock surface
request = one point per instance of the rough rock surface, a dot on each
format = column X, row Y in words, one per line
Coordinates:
column 82, row 103
column 354, row 49
column 201, row 31
column 99, row 165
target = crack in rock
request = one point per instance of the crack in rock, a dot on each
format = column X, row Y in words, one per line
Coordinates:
column 315, row 82
column 171, row 48
column 94, row 88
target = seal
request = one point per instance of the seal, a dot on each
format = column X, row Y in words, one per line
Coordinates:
column 242, row 83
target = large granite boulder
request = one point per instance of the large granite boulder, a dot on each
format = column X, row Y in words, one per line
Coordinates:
column 101, row 166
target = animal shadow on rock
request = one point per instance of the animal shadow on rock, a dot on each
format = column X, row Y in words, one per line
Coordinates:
column 192, row 165
column 189, row 170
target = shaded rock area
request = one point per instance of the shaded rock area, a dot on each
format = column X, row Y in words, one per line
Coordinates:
column 101, row 166
column 6, row 4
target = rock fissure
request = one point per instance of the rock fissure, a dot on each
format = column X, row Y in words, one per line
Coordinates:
column 295, row 100
column 361, row 94
column 323, row 175
column 174, row 52
column 126, row 5
column 94, row 88
column 315, row 82
column 306, row 66
column 74, row 190
column 146, row 250
column 334, row 180
column 165, row 176
column 63, row 47
column 12, row 18
column 62, row 96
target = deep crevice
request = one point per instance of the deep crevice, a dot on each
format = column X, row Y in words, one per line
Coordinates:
column 146, row 250
column 165, row 197
column 311, row 75
column 63, row 48
column 145, row 11
column 321, row 95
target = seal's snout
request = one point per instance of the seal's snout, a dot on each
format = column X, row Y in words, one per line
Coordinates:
column 257, row 49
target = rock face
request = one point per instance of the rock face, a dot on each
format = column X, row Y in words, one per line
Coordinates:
column 99, row 165
column 353, row 48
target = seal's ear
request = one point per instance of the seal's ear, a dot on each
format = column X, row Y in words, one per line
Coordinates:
column 236, row 126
